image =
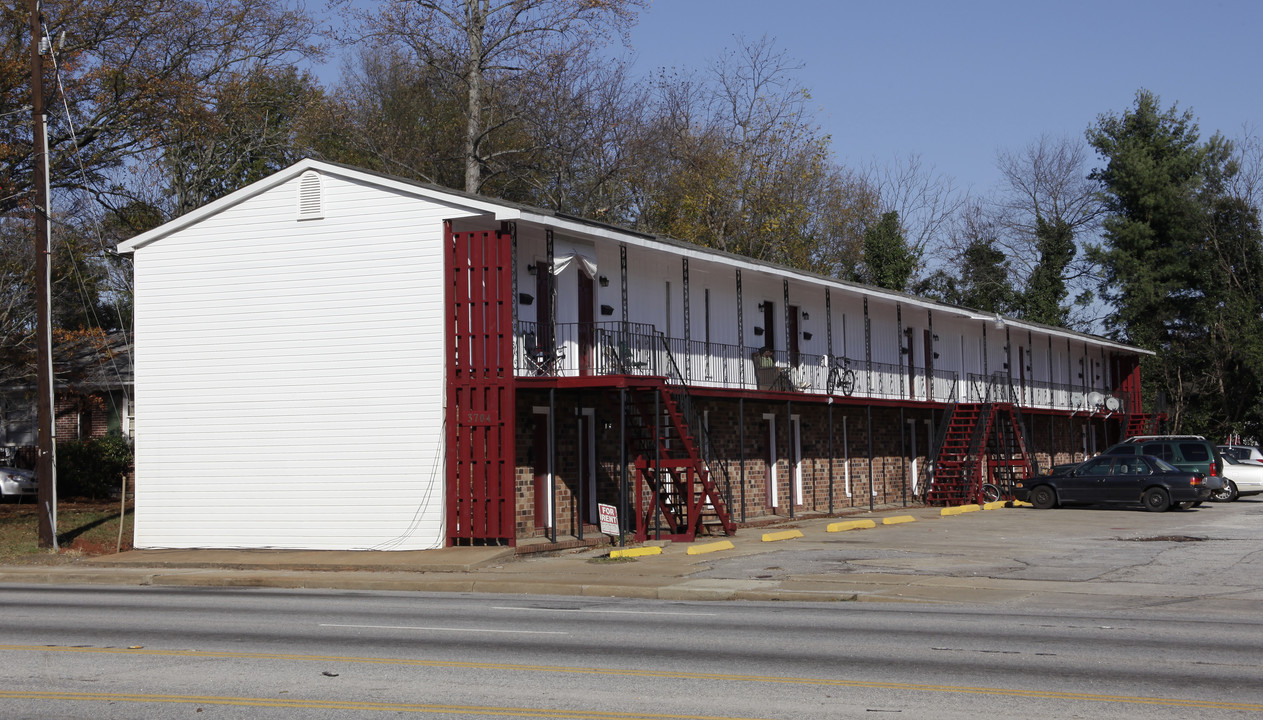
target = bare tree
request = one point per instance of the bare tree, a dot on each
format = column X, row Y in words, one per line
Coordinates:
column 1047, row 182
column 587, row 118
column 1247, row 183
column 1047, row 179
column 498, row 46
column 926, row 201
column 126, row 70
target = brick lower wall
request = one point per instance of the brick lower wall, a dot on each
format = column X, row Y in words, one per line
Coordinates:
column 846, row 468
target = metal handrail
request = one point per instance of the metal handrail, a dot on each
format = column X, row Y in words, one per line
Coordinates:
column 628, row 348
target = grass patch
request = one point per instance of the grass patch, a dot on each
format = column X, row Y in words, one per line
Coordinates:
column 607, row 560
column 84, row 529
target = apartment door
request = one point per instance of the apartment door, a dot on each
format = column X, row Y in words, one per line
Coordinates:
column 769, row 324
column 543, row 306
column 927, row 342
column 912, row 366
column 793, row 336
column 585, row 324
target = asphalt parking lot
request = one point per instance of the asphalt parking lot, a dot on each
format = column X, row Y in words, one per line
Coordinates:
column 1096, row 555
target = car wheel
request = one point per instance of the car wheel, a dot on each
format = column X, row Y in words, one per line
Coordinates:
column 1226, row 494
column 1043, row 497
column 1156, row 500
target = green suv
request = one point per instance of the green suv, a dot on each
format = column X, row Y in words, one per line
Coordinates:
column 1186, row 452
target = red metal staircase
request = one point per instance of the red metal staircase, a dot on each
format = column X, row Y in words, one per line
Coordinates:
column 983, row 442
column 1143, row 423
column 676, row 496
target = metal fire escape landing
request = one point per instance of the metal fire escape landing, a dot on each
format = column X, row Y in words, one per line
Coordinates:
column 983, row 443
column 674, row 490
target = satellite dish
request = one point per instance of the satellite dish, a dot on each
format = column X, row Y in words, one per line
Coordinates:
column 1112, row 404
column 1095, row 400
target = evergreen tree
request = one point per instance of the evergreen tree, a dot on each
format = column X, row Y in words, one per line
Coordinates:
column 1181, row 262
column 1045, row 294
column 888, row 260
column 983, row 283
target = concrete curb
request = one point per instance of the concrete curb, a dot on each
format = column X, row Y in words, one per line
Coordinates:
column 710, row 547
column 782, row 535
column 635, row 552
column 898, row 519
column 850, row 525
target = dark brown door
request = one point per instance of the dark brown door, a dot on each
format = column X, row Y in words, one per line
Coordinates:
column 912, row 369
column 769, row 324
column 585, row 324
column 544, row 308
column 927, row 342
column 1021, row 372
column 793, row 336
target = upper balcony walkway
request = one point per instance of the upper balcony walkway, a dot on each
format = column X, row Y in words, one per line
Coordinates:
column 618, row 349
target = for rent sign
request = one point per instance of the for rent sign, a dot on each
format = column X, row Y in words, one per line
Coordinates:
column 609, row 518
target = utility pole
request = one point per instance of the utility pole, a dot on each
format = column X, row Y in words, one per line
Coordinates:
column 45, row 467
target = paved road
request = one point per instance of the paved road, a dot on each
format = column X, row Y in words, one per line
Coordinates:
column 76, row 652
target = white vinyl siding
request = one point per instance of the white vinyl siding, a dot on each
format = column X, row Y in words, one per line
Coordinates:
column 292, row 380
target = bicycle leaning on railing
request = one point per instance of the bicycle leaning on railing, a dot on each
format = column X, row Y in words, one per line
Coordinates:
column 841, row 376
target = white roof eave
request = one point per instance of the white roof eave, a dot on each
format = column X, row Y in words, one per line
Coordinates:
column 613, row 234
column 500, row 211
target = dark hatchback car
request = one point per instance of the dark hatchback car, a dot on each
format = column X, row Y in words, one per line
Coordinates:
column 1132, row 480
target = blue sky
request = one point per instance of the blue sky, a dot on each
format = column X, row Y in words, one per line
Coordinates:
column 957, row 81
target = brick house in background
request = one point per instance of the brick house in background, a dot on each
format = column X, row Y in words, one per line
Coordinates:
column 93, row 376
column 336, row 359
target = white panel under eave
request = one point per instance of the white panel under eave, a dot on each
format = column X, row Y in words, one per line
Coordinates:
column 292, row 376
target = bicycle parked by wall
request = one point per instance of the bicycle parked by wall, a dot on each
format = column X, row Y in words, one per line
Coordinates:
column 841, row 376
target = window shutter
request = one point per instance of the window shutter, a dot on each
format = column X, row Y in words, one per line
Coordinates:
column 310, row 197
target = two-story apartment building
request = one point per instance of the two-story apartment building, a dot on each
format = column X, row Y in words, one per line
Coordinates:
column 332, row 358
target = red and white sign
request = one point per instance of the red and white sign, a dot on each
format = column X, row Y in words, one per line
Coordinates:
column 609, row 518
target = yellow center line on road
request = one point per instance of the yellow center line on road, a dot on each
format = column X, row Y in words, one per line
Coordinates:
column 347, row 705
column 661, row 674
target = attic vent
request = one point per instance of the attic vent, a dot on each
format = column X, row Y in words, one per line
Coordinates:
column 310, row 197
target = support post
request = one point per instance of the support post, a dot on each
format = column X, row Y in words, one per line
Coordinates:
column 789, row 445
column 552, row 461
column 903, row 456
column 741, row 441
column 872, row 491
column 830, row 403
column 622, row 466
column 741, row 349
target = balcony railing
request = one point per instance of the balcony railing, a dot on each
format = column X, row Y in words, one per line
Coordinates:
column 618, row 348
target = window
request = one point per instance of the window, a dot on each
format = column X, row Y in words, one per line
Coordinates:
column 1160, row 450
column 1194, row 452
column 1099, row 466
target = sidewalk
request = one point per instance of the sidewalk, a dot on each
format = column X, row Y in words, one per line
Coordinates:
column 585, row 571
column 908, row 555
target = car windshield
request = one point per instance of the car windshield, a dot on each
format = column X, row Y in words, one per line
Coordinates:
column 1163, row 465
column 1231, row 460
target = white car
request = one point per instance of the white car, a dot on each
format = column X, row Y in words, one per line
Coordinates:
column 15, row 482
column 1247, row 453
column 1244, row 478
